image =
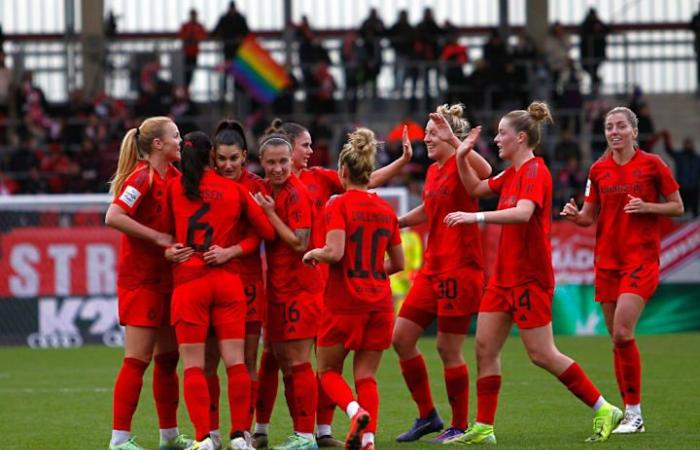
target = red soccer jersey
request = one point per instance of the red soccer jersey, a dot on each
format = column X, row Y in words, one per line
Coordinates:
column 250, row 264
column 142, row 196
column 287, row 274
column 358, row 283
column 321, row 183
column 622, row 239
column 524, row 250
column 211, row 220
column 449, row 247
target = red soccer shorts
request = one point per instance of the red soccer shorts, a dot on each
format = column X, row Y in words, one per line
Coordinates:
column 296, row 317
column 143, row 307
column 254, row 291
column 216, row 300
column 641, row 280
column 364, row 331
column 529, row 304
column 451, row 296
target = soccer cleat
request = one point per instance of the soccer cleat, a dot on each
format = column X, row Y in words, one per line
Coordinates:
column 631, row 423
column 421, row 427
column 128, row 445
column 179, row 442
column 240, row 443
column 479, row 433
column 205, row 444
column 216, row 440
column 260, row 440
column 296, row 442
column 446, row 435
column 605, row 420
column 359, row 422
column 329, row 441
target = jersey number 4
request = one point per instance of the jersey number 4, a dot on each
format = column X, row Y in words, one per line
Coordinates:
column 194, row 225
column 357, row 238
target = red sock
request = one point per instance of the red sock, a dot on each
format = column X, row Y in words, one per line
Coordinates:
column 368, row 398
column 238, row 396
column 416, row 376
column 127, row 389
column 253, row 400
column 631, row 368
column 305, row 397
column 579, row 384
column 166, row 388
column 340, row 393
column 289, row 397
column 268, row 381
column 197, row 401
column 457, row 384
column 618, row 373
column 487, row 398
column 214, row 395
column 325, row 407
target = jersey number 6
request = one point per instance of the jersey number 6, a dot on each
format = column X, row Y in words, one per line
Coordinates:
column 194, row 225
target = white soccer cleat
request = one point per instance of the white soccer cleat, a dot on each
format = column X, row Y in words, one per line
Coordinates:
column 206, row 444
column 216, row 440
column 240, row 443
column 631, row 423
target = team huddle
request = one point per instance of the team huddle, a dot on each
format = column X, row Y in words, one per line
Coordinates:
column 194, row 285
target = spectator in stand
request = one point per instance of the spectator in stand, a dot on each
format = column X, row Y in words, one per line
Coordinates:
column 523, row 56
column 322, row 100
column 453, row 57
column 351, row 54
column 556, row 50
column 695, row 28
column 184, row 111
column 496, row 55
column 231, row 29
column 478, row 86
column 323, row 135
column 687, row 171
column 568, row 97
column 371, row 32
column 567, row 184
column 401, row 36
column 110, row 25
column 428, row 34
column 191, row 33
column 567, row 148
column 5, row 88
column 646, row 137
column 592, row 35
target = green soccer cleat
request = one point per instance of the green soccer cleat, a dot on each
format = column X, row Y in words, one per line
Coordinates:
column 296, row 442
column 479, row 433
column 179, row 442
column 128, row 445
column 605, row 420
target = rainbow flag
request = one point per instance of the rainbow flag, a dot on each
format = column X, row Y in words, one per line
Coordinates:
column 261, row 76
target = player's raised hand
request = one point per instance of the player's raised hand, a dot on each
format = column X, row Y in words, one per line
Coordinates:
column 459, row 217
column 406, row 145
column 178, row 253
column 469, row 142
column 636, row 205
column 444, row 132
column 266, row 202
column 570, row 210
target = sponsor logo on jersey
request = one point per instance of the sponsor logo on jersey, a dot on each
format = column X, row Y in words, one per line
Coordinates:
column 130, row 196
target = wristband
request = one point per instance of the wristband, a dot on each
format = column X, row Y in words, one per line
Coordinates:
column 480, row 217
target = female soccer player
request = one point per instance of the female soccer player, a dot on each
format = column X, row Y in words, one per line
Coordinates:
column 321, row 184
column 448, row 286
column 623, row 195
column 144, row 282
column 230, row 153
column 205, row 210
column 522, row 285
column 294, row 290
column 358, row 308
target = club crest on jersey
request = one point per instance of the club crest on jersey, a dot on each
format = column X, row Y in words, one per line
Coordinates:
column 130, row 195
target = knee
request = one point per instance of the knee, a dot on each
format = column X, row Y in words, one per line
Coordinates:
column 543, row 358
column 485, row 352
column 449, row 355
column 621, row 334
column 403, row 347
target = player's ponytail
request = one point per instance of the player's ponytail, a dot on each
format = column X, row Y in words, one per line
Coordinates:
column 136, row 146
column 230, row 132
column 196, row 150
column 530, row 121
column 358, row 156
column 454, row 115
column 292, row 129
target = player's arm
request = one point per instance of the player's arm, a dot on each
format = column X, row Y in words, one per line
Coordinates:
column 330, row 253
column 220, row 255
column 520, row 213
column 414, row 217
column 118, row 219
column 584, row 217
column 297, row 239
column 384, row 174
column 395, row 262
column 672, row 207
column 475, row 186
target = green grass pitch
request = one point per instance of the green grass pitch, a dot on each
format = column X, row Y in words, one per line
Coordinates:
column 61, row 399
